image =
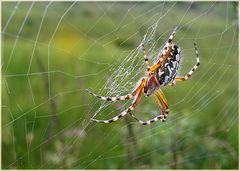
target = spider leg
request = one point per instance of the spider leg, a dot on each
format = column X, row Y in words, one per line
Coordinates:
column 157, row 118
column 162, row 98
column 125, row 97
column 128, row 110
column 172, row 35
column 193, row 69
column 145, row 56
column 161, row 117
column 153, row 68
column 159, row 102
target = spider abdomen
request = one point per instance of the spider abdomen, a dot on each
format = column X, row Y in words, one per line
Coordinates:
column 167, row 72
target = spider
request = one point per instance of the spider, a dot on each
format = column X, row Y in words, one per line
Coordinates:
column 162, row 73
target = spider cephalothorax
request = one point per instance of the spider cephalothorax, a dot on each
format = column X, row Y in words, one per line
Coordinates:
column 162, row 73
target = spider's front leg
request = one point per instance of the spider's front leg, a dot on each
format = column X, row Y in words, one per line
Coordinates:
column 117, row 98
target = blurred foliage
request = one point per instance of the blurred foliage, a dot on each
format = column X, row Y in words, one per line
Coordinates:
column 77, row 53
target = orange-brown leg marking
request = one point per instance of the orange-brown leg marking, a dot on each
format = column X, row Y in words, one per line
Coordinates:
column 163, row 98
column 180, row 79
column 162, row 117
column 154, row 68
column 159, row 103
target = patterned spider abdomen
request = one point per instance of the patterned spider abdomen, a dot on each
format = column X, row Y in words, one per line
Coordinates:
column 167, row 72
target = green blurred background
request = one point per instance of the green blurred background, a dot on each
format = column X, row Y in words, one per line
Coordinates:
column 53, row 51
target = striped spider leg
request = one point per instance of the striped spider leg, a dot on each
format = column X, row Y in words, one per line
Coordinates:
column 159, row 97
column 137, row 93
column 117, row 98
column 164, row 110
column 193, row 68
